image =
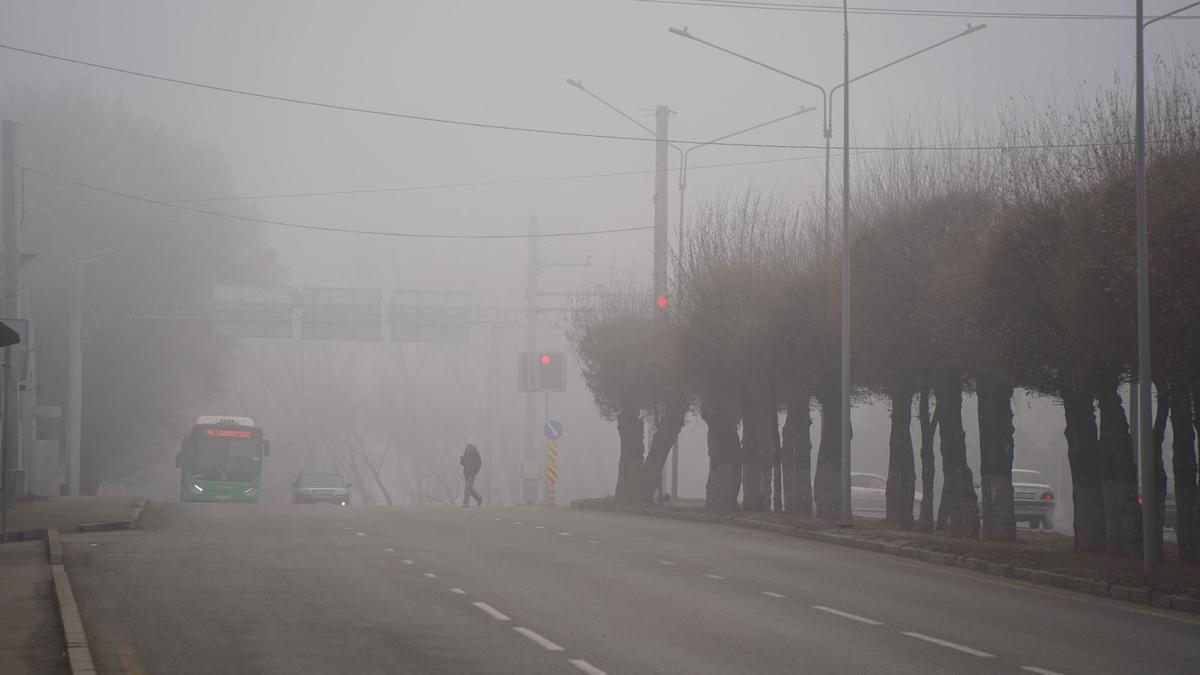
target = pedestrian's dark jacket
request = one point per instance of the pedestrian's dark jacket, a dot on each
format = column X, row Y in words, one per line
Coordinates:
column 471, row 461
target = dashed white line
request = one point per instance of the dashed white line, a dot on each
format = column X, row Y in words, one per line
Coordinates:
column 565, row 534
column 539, row 527
column 848, row 615
column 628, row 550
column 592, row 541
column 516, row 522
column 458, row 591
column 361, row 534
column 497, row 519
column 1039, row 671
column 950, row 645
column 714, row 576
column 586, row 667
column 492, row 611
column 409, row 562
column 431, row 575
column 548, row 645
column 773, row 594
column 668, row 563
column 390, row 550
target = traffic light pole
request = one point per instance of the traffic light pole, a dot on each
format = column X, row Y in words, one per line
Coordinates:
column 529, row 487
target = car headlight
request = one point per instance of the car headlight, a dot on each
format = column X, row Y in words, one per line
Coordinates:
column 196, row 489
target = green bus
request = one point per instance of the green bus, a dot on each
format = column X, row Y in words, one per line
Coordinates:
column 221, row 460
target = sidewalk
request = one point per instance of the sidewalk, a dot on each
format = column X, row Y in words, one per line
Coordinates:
column 31, row 632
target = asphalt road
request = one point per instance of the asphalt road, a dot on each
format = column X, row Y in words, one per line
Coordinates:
column 215, row 588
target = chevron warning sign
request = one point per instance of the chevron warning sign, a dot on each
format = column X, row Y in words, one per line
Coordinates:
column 551, row 471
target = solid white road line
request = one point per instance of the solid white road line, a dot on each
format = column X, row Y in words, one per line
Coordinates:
column 431, row 575
column 586, row 667
column 848, row 615
column 492, row 611
column 773, row 595
column 548, row 645
column 390, row 550
column 409, row 562
column 714, row 576
column 951, row 645
column 1039, row 671
column 668, row 563
column 458, row 591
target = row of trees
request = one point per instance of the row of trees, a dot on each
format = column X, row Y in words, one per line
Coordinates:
column 974, row 271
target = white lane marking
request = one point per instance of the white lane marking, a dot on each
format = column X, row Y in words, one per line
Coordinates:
column 390, row 550
column 950, row 645
column 516, row 522
column 458, row 591
column 1039, row 671
column 497, row 519
column 431, row 575
column 586, row 667
column 628, row 550
column 848, row 615
column 347, row 528
column 565, row 534
column 539, row 527
column 361, row 534
column 668, row 563
column 409, row 562
column 773, row 594
column 548, row 645
column 592, row 541
column 492, row 611
column 714, row 576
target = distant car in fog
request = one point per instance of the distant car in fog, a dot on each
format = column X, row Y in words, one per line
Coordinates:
column 868, row 495
column 1033, row 499
column 313, row 487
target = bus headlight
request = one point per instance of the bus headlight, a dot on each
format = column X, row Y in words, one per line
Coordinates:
column 196, row 489
column 250, row 491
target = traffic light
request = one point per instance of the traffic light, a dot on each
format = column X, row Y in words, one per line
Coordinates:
column 542, row 371
column 662, row 302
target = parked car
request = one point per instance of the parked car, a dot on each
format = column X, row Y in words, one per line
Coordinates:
column 868, row 495
column 312, row 487
column 1033, row 499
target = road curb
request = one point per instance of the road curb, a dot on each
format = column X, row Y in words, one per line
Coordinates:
column 112, row 525
column 1153, row 597
column 79, row 654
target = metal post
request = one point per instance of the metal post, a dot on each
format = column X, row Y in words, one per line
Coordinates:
column 846, row 516
column 661, row 115
column 4, row 424
column 9, row 241
column 493, row 454
column 74, row 382
column 1149, row 492
column 529, row 496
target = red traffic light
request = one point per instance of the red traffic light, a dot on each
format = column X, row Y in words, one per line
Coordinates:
column 545, row 359
column 663, row 302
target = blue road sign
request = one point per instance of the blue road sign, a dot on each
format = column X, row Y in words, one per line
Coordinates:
column 552, row 429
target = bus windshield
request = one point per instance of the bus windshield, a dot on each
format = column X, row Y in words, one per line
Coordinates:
column 226, row 459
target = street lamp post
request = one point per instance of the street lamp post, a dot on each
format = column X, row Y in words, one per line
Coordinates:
column 1150, row 548
column 75, row 370
column 844, row 501
column 683, row 165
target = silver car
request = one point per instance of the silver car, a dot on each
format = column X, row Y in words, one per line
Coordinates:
column 1033, row 499
column 868, row 495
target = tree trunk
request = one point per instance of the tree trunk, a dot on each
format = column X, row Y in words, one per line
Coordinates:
column 1119, row 473
column 756, row 456
column 665, row 436
column 632, row 432
column 1083, row 454
column 928, row 462
column 960, row 510
column 827, row 482
column 902, row 479
column 724, row 462
column 994, row 400
column 797, row 457
column 776, row 450
column 1183, row 461
column 1161, row 414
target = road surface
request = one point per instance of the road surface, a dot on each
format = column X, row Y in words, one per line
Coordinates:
column 209, row 588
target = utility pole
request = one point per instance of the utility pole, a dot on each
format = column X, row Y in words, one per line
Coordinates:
column 493, row 366
column 662, row 115
column 529, row 487
column 9, row 241
column 74, row 381
column 846, row 515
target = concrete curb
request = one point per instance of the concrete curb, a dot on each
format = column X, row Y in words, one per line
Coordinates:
column 1145, row 596
column 79, row 654
column 113, row 525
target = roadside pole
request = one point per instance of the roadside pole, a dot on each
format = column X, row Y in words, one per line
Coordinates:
column 8, row 301
column 529, row 487
column 662, row 115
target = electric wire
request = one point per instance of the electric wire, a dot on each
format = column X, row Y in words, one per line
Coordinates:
column 885, row 11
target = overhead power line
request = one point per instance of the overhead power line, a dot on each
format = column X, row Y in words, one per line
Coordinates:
column 887, row 11
column 330, row 228
column 386, row 113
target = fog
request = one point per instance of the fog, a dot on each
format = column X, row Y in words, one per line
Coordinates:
column 504, row 63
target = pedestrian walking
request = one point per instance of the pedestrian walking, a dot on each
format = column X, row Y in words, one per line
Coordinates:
column 471, row 462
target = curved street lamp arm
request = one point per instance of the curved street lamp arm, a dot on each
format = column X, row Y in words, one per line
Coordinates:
column 1171, row 14
column 684, row 33
column 970, row 29
column 578, row 84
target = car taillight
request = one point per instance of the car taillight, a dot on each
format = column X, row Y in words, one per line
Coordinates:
column 1139, row 500
column 1048, row 496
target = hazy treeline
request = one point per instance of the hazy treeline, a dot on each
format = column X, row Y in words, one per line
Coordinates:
column 973, row 271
